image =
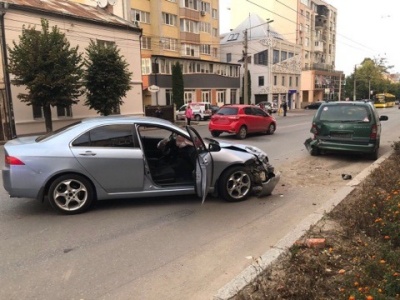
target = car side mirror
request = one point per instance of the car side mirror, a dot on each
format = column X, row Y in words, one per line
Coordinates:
column 213, row 147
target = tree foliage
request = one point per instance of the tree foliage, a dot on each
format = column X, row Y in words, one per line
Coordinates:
column 369, row 78
column 107, row 77
column 177, row 85
column 48, row 67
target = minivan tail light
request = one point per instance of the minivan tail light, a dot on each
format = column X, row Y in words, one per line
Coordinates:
column 314, row 129
column 11, row 160
column 374, row 132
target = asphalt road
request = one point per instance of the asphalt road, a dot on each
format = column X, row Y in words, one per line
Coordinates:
column 170, row 248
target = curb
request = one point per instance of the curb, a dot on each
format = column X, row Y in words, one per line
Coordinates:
column 242, row 280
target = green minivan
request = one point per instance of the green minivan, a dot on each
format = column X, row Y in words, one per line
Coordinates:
column 349, row 126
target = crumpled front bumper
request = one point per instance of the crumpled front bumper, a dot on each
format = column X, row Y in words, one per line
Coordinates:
column 268, row 186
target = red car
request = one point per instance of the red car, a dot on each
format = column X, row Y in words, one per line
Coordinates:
column 241, row 120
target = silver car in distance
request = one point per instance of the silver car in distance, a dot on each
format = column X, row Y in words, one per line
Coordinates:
column 130, row 157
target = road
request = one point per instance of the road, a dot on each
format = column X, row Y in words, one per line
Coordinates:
column 171, row 248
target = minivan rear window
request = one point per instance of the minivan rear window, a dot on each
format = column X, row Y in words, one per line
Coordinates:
column 345, row 113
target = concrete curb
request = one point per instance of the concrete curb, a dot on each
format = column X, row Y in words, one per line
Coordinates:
column 268, row 258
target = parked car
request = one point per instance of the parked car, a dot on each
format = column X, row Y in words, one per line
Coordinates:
column 268, row 106
column 314, row 105
column 346, row 126
column 131, row 157
column 214, row 108
column 241, row 119
column 201, row 111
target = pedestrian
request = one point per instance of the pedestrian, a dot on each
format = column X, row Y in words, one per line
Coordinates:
column 158, row 113
column 284, row 106
column 188, row 114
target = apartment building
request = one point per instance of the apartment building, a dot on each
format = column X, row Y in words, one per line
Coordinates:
column 311, row 24
column 317, row 22
column 274, row 63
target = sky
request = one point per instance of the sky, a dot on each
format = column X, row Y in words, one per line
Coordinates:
column 365, row 28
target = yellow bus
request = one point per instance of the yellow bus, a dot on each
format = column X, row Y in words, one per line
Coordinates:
column 384, row 100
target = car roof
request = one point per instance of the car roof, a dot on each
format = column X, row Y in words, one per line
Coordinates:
column 335, row 103
column 239, row 105
column 124, row 118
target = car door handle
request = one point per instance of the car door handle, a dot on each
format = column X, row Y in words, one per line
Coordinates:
column 88, row 153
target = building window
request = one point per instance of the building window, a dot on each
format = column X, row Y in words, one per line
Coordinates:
column 63, row 111
column 168, row 97
column 283, row 80
column 169, row 19
column 306, row 42
column 190, row 50
column 103, row 43
column 221, row 96
column 297, row 81
column 215, row 52
column 233, row 96
column 283, row 55
column 146, row 42
column 188, row 96
column 215, row 32
column 146, row 66
column 205, row 27
column 290, row 81
column 228, row 57
column 275, row 80
column 261, row 58
column 191, row 4
column 214, row 14
column 189, row 26
column 233, row 36
column 37, row 111
column 260, row 80
column 141, row 16
column 205, row 49
column 206, row 96
column 205, row 6
column 275, row 56
column 169, row 44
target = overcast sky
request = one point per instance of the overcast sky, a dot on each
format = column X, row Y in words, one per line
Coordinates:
column 365, row 28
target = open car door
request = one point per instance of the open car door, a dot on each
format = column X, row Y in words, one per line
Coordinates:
column 204, row 164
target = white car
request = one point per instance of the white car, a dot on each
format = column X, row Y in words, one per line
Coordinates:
column 201, row 111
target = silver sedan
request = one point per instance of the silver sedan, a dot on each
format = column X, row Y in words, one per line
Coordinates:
column 128, row 157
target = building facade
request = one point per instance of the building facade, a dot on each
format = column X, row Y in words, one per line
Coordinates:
column 80, row 23
column 274, row 64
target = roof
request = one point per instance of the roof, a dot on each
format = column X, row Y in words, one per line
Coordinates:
column 257, row 28
column 73, row 10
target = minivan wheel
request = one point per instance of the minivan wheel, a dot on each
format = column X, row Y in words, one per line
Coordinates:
column 71, row 194
column 374, row 155
column 242, row 133
column 197, row 118
column 235, row 184
column 315, row 151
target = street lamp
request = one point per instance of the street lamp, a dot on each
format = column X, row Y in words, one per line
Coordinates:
column 6, row 75
column 270, row 62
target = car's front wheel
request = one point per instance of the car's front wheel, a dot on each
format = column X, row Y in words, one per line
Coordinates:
column 235, row 184
column 271, row 129
column 71, row 194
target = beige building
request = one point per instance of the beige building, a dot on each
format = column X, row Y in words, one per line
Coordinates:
column 80, row 24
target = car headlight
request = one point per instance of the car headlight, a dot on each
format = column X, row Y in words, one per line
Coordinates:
column 263, row 176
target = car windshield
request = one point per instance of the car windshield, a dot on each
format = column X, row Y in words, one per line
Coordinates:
column 228, row 111
column 344, row 113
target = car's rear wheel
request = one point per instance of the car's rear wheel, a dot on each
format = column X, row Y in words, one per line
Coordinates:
column 215, row 133
column 271, row 129
column 315, row 151
column 242, row 133
column 374, row 155
column 71, row 194
column 235, row 184
column 197, row 117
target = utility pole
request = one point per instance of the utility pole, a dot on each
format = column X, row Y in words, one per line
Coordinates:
column 246, row 79
column 354, row 88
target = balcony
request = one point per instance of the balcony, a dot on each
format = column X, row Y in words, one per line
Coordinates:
column 189, row 14
column 189, row 37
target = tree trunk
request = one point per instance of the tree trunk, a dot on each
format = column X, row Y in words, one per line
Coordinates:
column 47, row 117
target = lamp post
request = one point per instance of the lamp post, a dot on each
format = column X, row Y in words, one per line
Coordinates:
column 6, row 75
column 270, row 63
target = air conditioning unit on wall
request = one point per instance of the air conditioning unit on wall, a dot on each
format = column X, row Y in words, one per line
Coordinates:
column 137, row 23
column 203, row 13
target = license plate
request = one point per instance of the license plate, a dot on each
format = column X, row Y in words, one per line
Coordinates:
column 343, row 135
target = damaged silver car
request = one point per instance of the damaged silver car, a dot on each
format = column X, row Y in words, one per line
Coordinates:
column 131, row 157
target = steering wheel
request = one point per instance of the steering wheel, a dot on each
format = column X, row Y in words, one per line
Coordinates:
column 165, row 145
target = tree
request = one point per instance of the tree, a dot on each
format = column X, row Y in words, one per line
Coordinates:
column 177, row 85
column 48, row 67
column 107, row 77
